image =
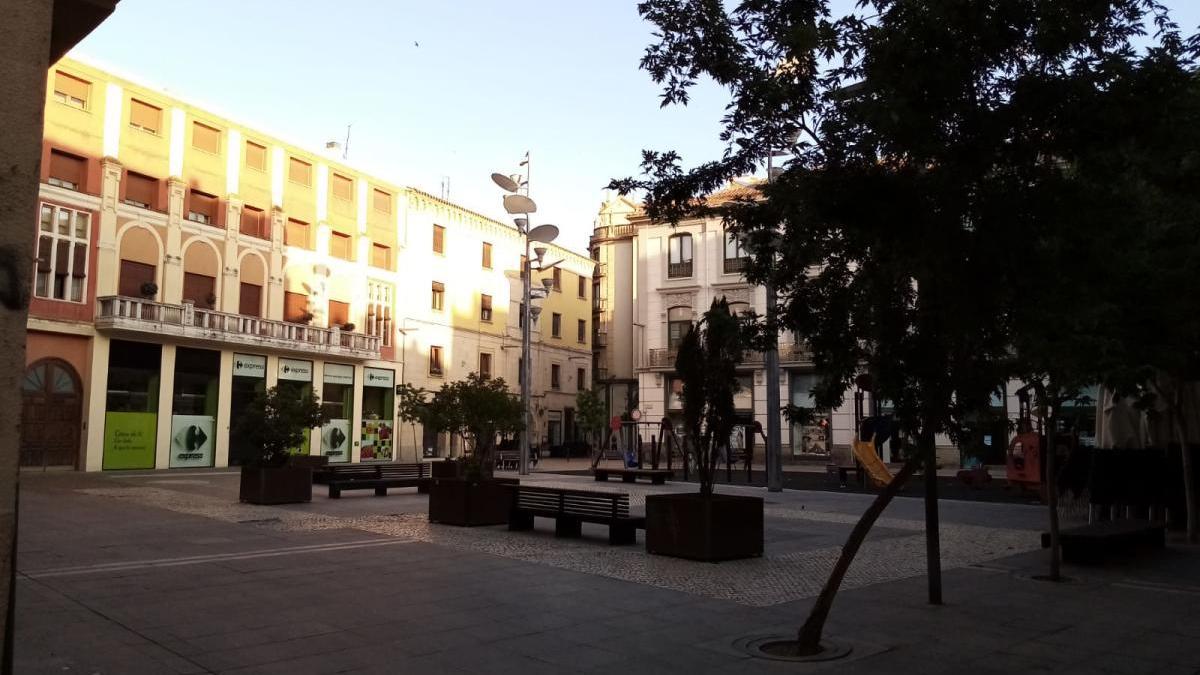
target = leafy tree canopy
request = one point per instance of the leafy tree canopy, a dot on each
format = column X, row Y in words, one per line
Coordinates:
column 275, row 423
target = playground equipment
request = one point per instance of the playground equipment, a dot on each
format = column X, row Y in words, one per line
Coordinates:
column 868, row 456
column 1023, row 462
column 626, row 442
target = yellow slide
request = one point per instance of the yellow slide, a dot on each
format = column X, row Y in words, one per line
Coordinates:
column 864, row 452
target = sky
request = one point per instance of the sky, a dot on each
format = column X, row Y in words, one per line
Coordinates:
column 435, row 92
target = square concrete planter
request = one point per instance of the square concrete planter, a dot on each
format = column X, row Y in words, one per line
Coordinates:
column 723, row 527
column 457, row 501
column 276, row 484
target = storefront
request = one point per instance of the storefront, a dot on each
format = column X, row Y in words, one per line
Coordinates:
column 378, row 415
column 811, row 438
column 337, row 397
column 194, row 405
column 249, row 380
column 295, row 379
column 131, row 405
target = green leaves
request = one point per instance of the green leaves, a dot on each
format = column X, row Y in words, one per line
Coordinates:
column 478, row 409
column 276, row 421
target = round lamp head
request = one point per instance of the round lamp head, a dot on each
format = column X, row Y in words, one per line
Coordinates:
column 522, row 223
column 507, row 184
column 534, row 311
column 543, row 233
column 519, row 204
column 539, row 251
column 548, row 283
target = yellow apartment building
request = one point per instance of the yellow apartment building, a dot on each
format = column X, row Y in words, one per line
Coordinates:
column 186, row 261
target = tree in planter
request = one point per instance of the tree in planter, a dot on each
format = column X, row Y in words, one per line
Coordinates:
column 478, row 410
column 591, row 416
column 706, row 364
column 274, row 423
column 895, row 236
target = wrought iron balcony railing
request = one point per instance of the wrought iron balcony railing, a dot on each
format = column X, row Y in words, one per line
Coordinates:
column 679, row 269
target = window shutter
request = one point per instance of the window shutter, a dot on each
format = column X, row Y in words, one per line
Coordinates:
column 68, row 168
column 256, row 156
column 72, row 86
column 45, row 245
column 79, row 262
column 145, row 115
column 206, row 138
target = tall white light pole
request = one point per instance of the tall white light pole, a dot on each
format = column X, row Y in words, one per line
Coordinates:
column 771, row 363
column 517, row 203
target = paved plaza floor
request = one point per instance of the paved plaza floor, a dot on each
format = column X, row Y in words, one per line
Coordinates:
column 168, row 573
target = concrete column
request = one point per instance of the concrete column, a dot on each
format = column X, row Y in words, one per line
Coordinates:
column 356, row 417
column 318, row 378
column 230, row 289
column 166, row 391
column 224, row 400
column 97, row 398
column 275, row 264
column 172, row 274
column 108, row 253
column 272, row 370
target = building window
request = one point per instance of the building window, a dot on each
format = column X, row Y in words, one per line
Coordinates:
column 485, row 307
column 558, row 279
column 439, row 239
column 736, row 257
column 200, row 290
column 339, row 245
column 487, row 256
column 62, row 253
column 141, row 190
column 256, row 156
column 254, row 223
column 133, row 277
column 435, row 361
column 580, row 379
column 295, row 308
column 379, row 311
column 582, row 287
column 381, row 256
column 71, row 90
column 300, row 171
column 338, row 314
column 343, row 187
column 296, row 233
column 555, row 376
column 595, row 296
column 679, row 256
column 202, row 208
column 67, row 170
column 206, row 138
column 439, row 296
column 485, row 365
column 679, row 322
column 582, row 331
column 520, row 315
column 556, row 325
column 250, row 299
column 382, row 201
column 144, row 116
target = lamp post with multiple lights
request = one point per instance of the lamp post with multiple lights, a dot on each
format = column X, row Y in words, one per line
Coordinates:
column 516, row 202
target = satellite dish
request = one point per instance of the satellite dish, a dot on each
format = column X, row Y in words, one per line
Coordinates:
column 519, row 204
column 507, row 184
column 543, row 233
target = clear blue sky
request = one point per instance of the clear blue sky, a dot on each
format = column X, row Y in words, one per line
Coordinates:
column 453, row 89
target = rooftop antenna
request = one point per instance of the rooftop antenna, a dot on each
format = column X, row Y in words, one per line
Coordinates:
column 346, row 147
column 445, row 188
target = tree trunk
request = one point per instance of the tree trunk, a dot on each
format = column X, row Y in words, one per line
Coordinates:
column 1189, row 482
column 1051, row 485
column 933, row 544
column 809, row 637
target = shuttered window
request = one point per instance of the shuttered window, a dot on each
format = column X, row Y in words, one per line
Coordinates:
column 134, row 276
column 485, row 307
column 487, row 255
column 439, row 239
column 296, row 233
column 339, row 313
column 60, row 272
column 141, row 190
column 202, row 208
column 381, row 256
column 199, row 289
column 67, row 170
column 485, row 365
column 254, row 223
column 343, row 187
column 438, row 302
column 556, row 325
column 72, row 90
column 250, row 300
column 435, row 361
column 144, row 116
column 300, row 172
column 256, row 156
column 383, row 201
column 581, row 331
column 295, row 307
column 206, row 138
column 339, row 245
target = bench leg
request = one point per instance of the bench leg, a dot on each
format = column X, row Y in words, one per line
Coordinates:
column 423, row 489
column 658, row 480
column 622, row 533
column 602, row 477
column 518, row 521
column 629, row 478
column 335, row 492
column 380, row 492
column 568, row 527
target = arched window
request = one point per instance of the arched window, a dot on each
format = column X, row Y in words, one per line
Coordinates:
column 679, row 322
column 679, row 256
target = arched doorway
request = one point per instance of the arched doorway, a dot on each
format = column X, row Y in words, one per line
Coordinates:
column 51, row 408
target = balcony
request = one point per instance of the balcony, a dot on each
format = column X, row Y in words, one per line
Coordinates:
column 736, row 265
column 789, row 354
column 679, row 270
column 612, row 232
column 136, row 317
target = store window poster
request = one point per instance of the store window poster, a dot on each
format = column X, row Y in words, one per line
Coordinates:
column 377, row 438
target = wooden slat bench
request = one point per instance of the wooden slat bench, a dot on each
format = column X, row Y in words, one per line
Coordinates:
column 571, row 508
column 656, row 476
column 378, row 477
column 1091, row 544
column 508, row 460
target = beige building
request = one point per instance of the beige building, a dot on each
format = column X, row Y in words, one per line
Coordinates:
column 185, row 261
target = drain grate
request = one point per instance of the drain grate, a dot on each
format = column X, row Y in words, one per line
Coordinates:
column 778, row 647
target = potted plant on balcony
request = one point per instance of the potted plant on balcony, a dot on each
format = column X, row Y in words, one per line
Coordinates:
column 149, row 290
column 478, row 410
column 273, row 424
column 705, row 525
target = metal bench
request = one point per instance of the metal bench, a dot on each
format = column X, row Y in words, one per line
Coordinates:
column 656, row 476
column 571, row 508
column 378, row 477
column 1091, row 544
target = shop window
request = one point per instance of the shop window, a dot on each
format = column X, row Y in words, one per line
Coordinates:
column 378, row 415
column 145, row 117
column 71, row 90
column 435, row 361
column 556, row 325
column 131, row 405
column 485, row 307
column 339, row 245
column 67, row 170
column 295, row 379
column 300, row 171
column 295, row 308
column 62, row 253
column 202, row 208
column 249, row 381
column 256, row 156
column 337, row 398
column 194, row 407
column 206, row 138
column 141, row 190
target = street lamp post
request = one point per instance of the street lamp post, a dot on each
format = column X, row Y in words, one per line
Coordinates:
column 771, row 363
column 517, row 203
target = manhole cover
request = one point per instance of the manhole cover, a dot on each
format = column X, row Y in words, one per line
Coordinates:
column 780, row 647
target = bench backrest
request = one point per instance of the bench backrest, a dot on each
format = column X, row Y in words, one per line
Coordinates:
column 402, row 471
column 352, row 471
column 573, row 502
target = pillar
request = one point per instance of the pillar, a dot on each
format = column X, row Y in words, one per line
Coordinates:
column 224, row 400
column 172, row 290
column 166, row 396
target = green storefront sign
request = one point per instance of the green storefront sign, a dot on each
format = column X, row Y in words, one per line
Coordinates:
column 129, row 440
